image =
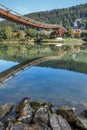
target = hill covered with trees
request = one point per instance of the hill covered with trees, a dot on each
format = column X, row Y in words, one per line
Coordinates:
column 72, row 16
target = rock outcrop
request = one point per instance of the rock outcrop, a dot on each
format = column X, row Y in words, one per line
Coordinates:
column 40, row 116
column 5, row 109
column 68, row 113
column 58, row 123
column 24, row 111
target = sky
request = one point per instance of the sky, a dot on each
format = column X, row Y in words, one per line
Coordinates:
column 29, row 6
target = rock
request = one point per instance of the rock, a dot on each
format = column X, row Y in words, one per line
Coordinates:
column 68, row 113
column 37, row 104
column 28, row 127
column 5, row 109
column 24, row 111
column 58, row 123
column 1, row 126
column 10, row 126
column 81, row 123
column 9, row 123
column 41, row 116
column 84, row 113
column 72, row 127
column 22, row 127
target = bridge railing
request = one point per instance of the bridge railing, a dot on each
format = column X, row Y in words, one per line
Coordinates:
column 9, row 10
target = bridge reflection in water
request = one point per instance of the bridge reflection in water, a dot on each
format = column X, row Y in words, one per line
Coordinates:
column 13, row 16
column 8, row 74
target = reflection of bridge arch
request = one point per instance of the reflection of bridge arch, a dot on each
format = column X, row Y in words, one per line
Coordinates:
column 9, row 73
column 15, row 17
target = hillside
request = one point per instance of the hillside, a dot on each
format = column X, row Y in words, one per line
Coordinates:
column 67, row 16
column 72, row 16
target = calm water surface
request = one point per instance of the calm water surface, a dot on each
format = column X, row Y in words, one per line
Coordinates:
column 4, row 65
column 47, row 84
column 55, row 85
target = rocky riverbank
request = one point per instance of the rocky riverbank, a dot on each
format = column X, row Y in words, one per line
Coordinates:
column 38, row 115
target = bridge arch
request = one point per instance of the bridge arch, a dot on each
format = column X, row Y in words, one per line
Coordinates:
column 13, row 16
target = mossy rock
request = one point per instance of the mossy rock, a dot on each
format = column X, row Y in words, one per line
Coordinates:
column 5, row 109
column 68, row 113
column 84, row 113
column 21, row 105
column 37, row 104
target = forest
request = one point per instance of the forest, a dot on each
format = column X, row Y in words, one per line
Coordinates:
column 68, row 17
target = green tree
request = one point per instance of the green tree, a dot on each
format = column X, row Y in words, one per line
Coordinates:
column 70, row 32
column 1, row 33
column 19, row 35
column 7, row 32
column 84, row 34
column 31, row 33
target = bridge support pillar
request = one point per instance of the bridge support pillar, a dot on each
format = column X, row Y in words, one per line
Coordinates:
column 58, row 32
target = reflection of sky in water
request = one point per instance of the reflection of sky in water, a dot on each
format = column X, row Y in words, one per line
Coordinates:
column 47, row 84
column 4, row 65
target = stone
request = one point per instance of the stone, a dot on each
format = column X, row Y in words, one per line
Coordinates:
column 24, row 111
column 9, row 122
column 41, row 116
column 37, row 104
column 58, row 123
column 5, row 109
column 84, row 113
column 28, row 127
column 68, row 113
column 10, row 126
column 1, row 126
column 81, row 123
column 22, row 127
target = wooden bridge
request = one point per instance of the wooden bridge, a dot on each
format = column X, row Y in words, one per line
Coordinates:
column 13, row 16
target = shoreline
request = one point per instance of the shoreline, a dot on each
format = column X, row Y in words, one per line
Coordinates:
column 36, row 114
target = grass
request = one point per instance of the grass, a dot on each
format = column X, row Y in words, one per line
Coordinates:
column 66, row 41
column 81, row 57
column 73, row 41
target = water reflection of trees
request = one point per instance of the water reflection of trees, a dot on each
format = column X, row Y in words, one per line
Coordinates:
column 20, row 53
column 66, row 64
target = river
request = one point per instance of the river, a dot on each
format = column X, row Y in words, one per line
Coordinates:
column 48, row 82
